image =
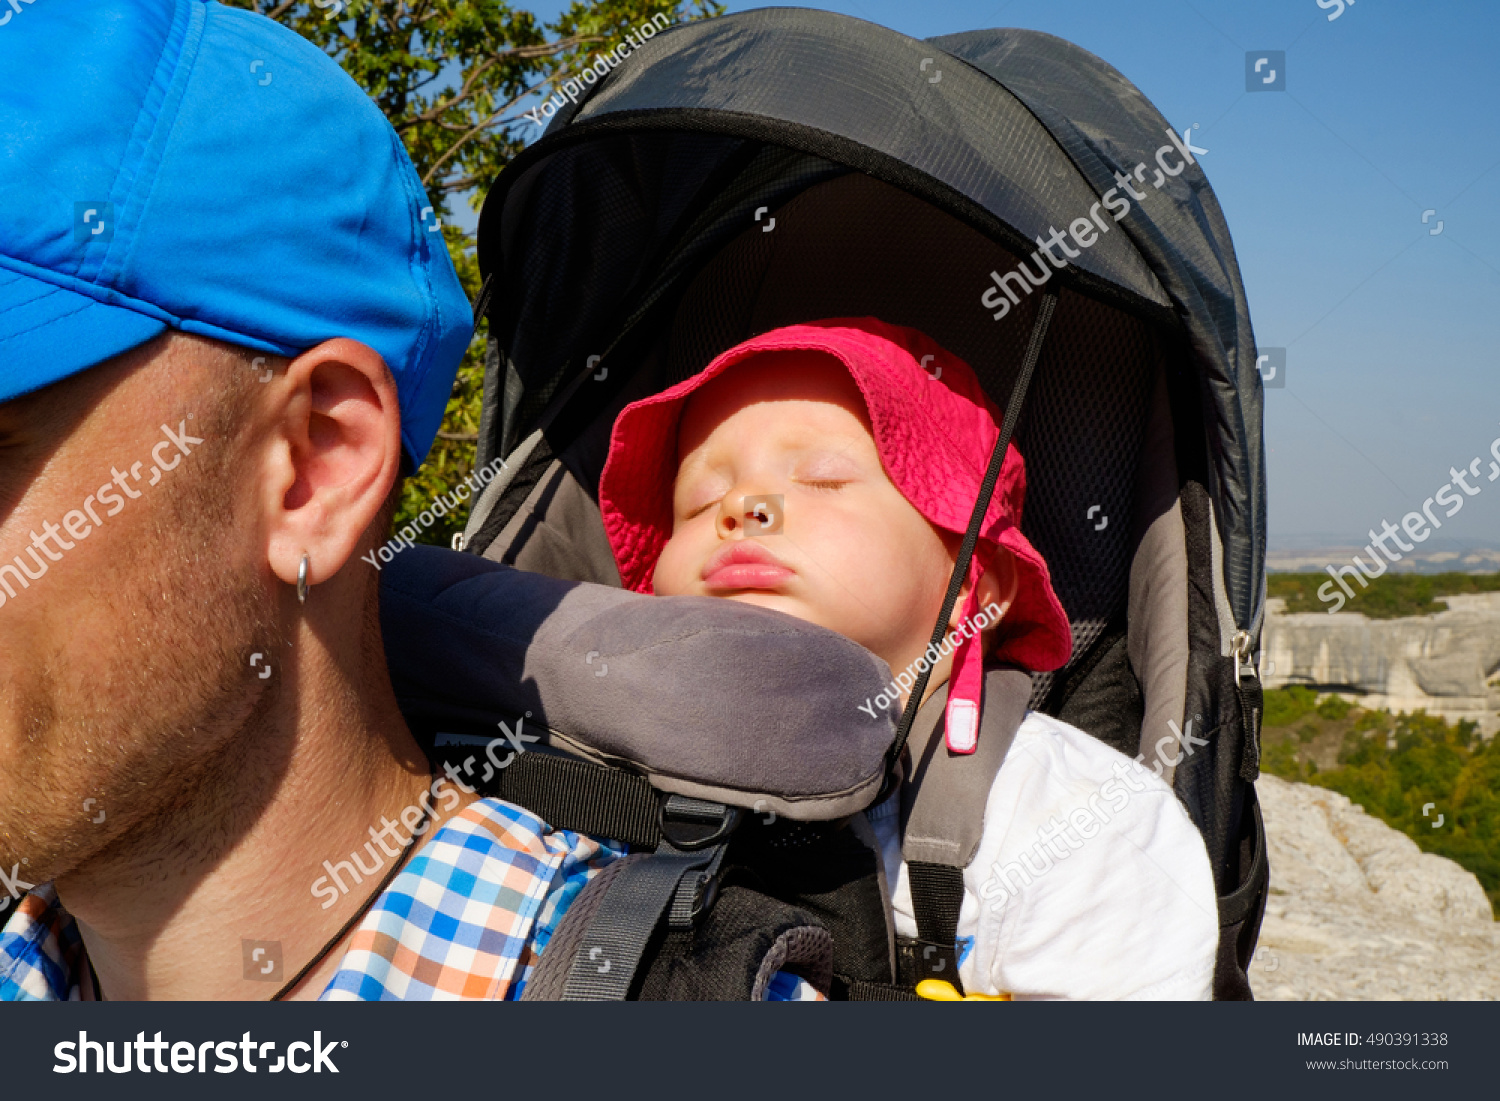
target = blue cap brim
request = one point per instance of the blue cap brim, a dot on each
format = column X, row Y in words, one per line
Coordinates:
column 48, row 333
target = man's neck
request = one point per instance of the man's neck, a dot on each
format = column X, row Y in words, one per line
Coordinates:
column 239, row 861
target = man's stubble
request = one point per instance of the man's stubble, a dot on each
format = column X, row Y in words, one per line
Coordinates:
column 160, row 733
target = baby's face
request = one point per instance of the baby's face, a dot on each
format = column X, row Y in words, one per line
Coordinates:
column 851, row 554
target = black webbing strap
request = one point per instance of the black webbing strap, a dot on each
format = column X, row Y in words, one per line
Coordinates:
column 610, row 951
column 570, row 794
column 482, row 303
column 937, row 889
column 859, row 991
column 1044, row 311
column 937, row 893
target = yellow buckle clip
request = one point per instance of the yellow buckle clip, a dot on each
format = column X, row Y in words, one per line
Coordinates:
column 936, row 990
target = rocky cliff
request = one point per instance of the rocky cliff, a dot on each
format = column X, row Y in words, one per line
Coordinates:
column 1446, row 663
column 1358, row 912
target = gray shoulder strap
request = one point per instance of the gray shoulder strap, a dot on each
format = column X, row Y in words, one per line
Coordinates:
column 550, row 975
column 942, row 804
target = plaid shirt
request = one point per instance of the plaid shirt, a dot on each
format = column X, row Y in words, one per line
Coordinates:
column 465, row 919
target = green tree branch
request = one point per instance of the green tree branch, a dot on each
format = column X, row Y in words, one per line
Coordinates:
column 450, row 75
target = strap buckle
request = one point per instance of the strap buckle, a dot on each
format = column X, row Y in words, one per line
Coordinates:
column 936, row 990
column 708, row 826
column 681, row 809
column 696, row 894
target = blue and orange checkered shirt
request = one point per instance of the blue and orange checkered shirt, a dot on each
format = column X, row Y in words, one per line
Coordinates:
column 467, row 918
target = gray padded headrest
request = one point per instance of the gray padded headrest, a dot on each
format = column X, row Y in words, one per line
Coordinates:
column 702, row 696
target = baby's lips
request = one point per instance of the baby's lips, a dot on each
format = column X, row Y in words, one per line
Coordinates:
column 741, row 552
column 742, row 564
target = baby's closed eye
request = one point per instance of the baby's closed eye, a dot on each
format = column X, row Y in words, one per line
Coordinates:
column 699, row 493
column 826, row 470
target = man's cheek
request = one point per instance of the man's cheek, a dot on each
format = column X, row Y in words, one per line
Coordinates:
column 11, row 745
column 28, row 730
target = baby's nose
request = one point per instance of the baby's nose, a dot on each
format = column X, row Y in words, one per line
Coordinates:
column 732, row 517
column 754, row 514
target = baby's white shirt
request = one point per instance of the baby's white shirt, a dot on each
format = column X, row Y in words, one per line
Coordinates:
column 1127, row 912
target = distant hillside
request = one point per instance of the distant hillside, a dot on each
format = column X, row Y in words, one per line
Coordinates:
column 1293, row 555
column 1386, row 597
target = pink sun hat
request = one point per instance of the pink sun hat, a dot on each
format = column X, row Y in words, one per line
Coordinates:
column 934, row 428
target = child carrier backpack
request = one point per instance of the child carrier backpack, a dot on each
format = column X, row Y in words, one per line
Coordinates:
column 630, row 717
column 781, row 166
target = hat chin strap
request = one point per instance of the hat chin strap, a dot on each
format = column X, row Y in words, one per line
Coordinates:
column 965, row 684
column 966, row 677
column 967, row 680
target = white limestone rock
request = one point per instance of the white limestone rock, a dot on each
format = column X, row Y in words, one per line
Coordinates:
column 1358, row 912
column 1446, row 663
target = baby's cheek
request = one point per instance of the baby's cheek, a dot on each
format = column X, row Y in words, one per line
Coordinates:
column 669, row 578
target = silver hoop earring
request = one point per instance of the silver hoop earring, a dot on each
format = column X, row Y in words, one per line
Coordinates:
column 302, row 580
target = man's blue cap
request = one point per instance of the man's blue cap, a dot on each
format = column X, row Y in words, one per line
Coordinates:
column 179, row 164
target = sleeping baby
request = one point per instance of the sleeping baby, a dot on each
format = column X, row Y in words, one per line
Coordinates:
column 828, row 471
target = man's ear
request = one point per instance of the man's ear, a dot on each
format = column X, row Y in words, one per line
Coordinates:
column 997, row 585
column 334, row 452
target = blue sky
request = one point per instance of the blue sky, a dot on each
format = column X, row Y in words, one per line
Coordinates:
column 1393, row 362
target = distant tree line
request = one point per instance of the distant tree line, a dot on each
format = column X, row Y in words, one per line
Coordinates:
column 1388, row 596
